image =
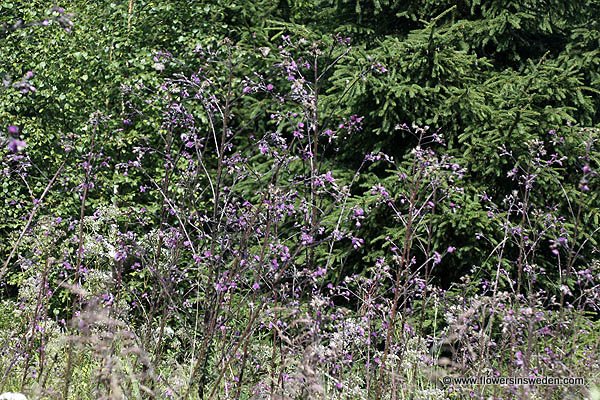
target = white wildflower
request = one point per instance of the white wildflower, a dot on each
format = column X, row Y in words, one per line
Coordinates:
column 12, row 396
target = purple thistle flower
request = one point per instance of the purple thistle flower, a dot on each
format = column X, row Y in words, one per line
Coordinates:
column 220, row 287
column 357, row 242
column 437, row 258
column 519, row 358
column 13, row 129
column 306, row 238
column 379, row 189
column 329, row 177
column 16, row 145
column 263, row 148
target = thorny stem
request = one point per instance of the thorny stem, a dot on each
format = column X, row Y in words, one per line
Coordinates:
column 32, row 214
column 212, row 310
column 80, row 249
column 403, row 265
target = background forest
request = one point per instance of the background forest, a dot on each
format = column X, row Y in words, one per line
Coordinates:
column 349, row 199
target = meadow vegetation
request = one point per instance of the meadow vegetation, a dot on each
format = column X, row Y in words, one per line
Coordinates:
column 366, row 199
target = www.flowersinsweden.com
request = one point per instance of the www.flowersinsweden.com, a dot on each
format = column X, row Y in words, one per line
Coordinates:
column 512, row 380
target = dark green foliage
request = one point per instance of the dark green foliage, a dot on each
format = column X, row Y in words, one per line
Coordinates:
column 485, row 74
